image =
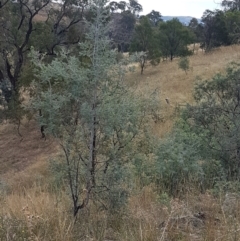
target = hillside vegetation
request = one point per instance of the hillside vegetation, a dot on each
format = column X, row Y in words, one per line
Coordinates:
column 173, row 84
column 34, row 207
column 118, row 127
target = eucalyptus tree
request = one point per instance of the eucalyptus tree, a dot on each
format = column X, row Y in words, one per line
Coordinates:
column 145, row 41
column 232, row 5
column 155, row 17
column 214, row 29
column 86, row 104
column 134, row 7
column 174, row 38
column 122, row 6
column 195, row 27
column 16, row 26
column 233, row 26
column 39, row 23
column 114, row 6
column 121, row 29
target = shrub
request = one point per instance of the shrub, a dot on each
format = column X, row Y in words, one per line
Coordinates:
column 183, row 64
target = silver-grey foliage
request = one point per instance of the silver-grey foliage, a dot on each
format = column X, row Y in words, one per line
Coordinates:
column 86, row 104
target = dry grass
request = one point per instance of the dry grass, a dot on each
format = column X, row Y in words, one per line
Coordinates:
column 30, row 210
column 20, row 152
column 173, row 84
column 38, row 214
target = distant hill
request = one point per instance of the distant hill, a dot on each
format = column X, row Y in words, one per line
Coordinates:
column 183, row 19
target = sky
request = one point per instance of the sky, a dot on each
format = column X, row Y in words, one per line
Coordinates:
column 192, row 8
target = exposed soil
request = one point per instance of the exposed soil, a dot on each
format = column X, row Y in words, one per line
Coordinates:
column 17, row 153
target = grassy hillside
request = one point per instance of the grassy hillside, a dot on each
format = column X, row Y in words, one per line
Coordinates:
column 33, row 209
column 173, row 84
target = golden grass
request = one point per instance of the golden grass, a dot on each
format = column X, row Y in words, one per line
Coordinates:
column 174, row 84
column 45, row 215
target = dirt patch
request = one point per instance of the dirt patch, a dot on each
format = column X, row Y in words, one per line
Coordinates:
column 17, row 153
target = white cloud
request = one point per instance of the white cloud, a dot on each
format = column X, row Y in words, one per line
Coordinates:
column 194, row 8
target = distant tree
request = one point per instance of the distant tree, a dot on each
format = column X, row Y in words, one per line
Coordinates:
column 154, row 17
column 143, row 35
column 122, row 5
column 174, row 38
column 214, row 29
column 145, row 41
column 114, row 6
column 221, row 35
column 195, row 27
column 233, row 26
column 232, row 5
column 121, row 29
column 220, row 28
column 134, row 7
column 193, row 24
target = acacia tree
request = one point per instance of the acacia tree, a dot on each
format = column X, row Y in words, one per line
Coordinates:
column 95, row 117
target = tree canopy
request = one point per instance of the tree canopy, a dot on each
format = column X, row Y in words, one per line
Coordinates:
column 174, row 38
column 155, row 17
column 145, row 41
column 231, row 5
